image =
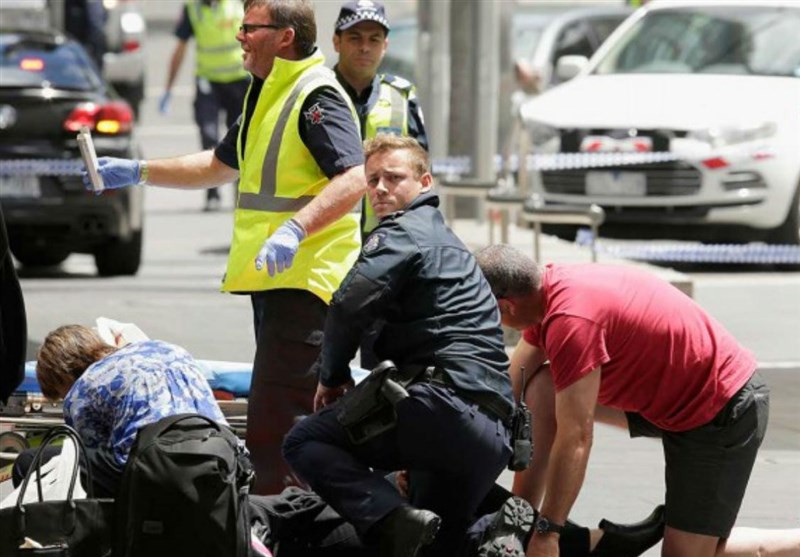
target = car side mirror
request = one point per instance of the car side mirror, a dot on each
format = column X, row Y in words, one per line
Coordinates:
column 568, row 67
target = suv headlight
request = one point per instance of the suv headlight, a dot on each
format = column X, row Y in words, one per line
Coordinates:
column 541, row 133
column 723, row 136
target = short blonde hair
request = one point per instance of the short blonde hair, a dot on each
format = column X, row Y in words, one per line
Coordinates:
column 384, row 142
column 64, row 355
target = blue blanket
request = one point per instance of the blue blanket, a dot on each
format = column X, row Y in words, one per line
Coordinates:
column 231, row 377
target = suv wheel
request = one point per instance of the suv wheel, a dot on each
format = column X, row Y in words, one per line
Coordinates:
column 119, row 257
column 789, row 231
column 133, row 94
column 31, row 256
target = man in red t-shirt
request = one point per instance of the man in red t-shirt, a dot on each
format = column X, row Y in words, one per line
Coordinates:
column 629, row 349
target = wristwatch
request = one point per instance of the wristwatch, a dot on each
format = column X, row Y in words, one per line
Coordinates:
column 544, row 526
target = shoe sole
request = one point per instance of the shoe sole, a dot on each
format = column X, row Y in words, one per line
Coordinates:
column 509, row 530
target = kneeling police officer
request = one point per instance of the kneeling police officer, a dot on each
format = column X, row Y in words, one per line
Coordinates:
column 442, row 331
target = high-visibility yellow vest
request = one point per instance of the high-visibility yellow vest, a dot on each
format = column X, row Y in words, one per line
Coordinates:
column 218, row 54
column 278, row 176
column 388, row 115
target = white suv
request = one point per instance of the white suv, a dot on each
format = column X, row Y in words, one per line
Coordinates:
column 707, row 92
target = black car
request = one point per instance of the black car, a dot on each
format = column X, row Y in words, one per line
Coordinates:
column 49, row 89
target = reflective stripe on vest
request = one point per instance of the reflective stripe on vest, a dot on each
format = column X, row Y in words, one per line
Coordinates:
column 266, row 199
column 218, row 52
column 399, row 106
column 278, row 176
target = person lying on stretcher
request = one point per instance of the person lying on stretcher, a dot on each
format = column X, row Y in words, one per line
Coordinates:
column 110, row 392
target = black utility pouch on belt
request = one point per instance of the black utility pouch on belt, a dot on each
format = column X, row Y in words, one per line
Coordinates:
column 368, row 410
column 521, row 443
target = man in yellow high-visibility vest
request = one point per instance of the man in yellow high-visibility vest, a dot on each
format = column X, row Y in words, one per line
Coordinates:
column 220, row 80
column 297, row 153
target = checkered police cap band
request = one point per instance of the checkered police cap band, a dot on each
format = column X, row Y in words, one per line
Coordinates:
column 363, row 10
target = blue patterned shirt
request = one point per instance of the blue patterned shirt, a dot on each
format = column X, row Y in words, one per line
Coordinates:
column 135, row 386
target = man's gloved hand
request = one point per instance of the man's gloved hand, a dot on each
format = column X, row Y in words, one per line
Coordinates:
column 279, row 249
column 116, row 173
column 163, row 102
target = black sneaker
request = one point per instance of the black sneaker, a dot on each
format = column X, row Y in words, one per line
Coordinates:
column 630, row 540
column 505, row 536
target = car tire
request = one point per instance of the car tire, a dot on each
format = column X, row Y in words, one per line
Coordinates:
column 119, row 257
column 789, row 231
column 31, row 256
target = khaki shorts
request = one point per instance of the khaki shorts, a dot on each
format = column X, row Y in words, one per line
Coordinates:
column 707, row 468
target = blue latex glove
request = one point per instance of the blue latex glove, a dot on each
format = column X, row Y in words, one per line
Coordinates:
column 163, row 102
column 279, row 249
column 116, row 173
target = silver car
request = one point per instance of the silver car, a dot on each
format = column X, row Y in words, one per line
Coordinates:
column 124, row 59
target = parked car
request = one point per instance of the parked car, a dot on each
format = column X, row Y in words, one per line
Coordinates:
column 542, row 37
column 124, row 59
column 539, row 36
column 48, row 91
column 712, row 84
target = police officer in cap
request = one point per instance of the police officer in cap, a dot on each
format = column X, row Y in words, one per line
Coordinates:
column 385, row 103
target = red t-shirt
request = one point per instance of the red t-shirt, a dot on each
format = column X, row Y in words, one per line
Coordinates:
column 661, row 354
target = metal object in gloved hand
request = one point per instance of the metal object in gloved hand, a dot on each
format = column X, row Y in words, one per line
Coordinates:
column 368, row 410
column 116, row 173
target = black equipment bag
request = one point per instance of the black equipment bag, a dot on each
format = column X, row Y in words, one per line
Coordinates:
column 184, row 492
column 69, row 528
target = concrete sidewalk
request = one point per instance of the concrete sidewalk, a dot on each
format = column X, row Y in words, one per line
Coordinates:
column 625, row 478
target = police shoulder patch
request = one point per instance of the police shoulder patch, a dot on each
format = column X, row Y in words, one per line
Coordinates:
column 373, row 242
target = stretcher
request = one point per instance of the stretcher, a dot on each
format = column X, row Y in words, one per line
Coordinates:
column 28, row 414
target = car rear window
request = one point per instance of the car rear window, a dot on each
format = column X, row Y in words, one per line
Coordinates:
column 29, row 62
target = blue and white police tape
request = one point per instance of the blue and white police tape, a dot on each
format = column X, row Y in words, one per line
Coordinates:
column 41, row 167
column 457, row 166
column 447, row 166
column 724, row 254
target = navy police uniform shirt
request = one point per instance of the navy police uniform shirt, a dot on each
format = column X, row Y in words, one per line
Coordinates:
column 369, row 96
column 416, row 277
column 332, row 137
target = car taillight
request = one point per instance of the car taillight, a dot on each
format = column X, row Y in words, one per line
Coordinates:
column 112, row 118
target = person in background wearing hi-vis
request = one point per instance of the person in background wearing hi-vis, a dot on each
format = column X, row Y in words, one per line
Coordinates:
column 385, row 103
column 220, row 80
column 297, row 153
